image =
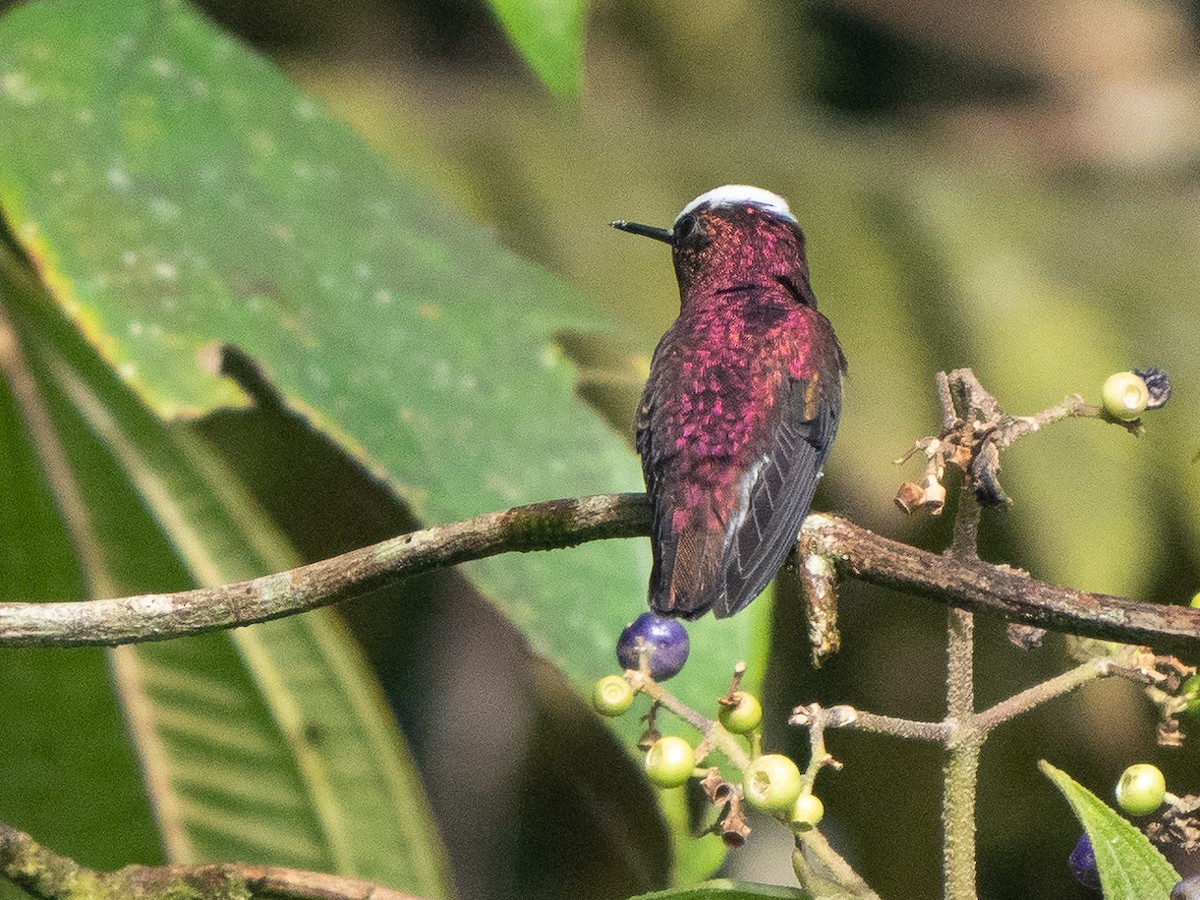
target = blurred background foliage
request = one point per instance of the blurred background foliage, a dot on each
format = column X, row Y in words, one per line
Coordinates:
column 1011, row 188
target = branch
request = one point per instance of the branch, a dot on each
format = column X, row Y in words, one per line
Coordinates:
column 981, row 586
column 549, row 525
column 555, row 524
column 49, row 876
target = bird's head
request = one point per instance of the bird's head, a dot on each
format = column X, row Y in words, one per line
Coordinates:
column 732, row 237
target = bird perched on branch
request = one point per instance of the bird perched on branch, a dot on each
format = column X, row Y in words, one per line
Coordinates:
column 741, row 405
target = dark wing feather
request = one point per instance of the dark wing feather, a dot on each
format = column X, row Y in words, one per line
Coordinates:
column 780, row 491
column 653, row 455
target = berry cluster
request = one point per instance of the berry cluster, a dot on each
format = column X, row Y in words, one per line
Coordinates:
column 653, row 649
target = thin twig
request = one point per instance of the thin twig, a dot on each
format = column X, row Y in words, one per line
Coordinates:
column 1046, row 690
column 949, row 413
column 964, row 743
column 812, row 847
column 960, row 774
column 848, row 718
column 1073, row 407
column 818, row 755
column 711, row 731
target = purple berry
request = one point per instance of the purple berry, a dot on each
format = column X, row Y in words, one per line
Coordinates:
column 665, row 642
column 1188, row 889
column 1082, row 863
column 1158, row 385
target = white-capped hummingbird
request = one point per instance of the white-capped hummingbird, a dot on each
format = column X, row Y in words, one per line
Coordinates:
column 741, row 405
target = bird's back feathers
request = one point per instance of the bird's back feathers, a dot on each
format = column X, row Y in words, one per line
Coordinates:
column 730, row 490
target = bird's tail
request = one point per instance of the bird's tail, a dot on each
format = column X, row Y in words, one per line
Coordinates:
column 688, row 577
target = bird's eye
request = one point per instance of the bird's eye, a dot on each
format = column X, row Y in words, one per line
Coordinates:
column 684, row 228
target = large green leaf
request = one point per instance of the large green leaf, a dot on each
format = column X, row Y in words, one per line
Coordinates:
column 549, row 33
column 62, row 744
column 176, row 193
column 269, row 743
column 1130, row 867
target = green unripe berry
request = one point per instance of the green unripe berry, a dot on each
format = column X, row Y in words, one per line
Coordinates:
column 1125, row 396
column 670, row 762
column 807, row 811
column 1196, row 600
column 1141, row 790
column 612, row 695
column 772, row 782
column 741, row 716
column 1190, row 694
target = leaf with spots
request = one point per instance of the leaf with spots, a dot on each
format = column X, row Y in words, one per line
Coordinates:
column 251, row 741
column 178, row 195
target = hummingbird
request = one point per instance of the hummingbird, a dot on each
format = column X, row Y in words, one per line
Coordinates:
column 741, row 405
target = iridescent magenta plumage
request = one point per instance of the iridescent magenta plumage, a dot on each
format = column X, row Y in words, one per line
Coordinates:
column 741, row 405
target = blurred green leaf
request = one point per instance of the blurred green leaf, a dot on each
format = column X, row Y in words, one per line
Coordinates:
column 549, row 34
column 269, row 744
column 1033, row 336
column 1130, row 867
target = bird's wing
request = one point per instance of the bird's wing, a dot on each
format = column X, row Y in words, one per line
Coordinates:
column 654, row 454
column 777, row 490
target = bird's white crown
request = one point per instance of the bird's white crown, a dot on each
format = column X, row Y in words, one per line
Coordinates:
column 740, row 195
